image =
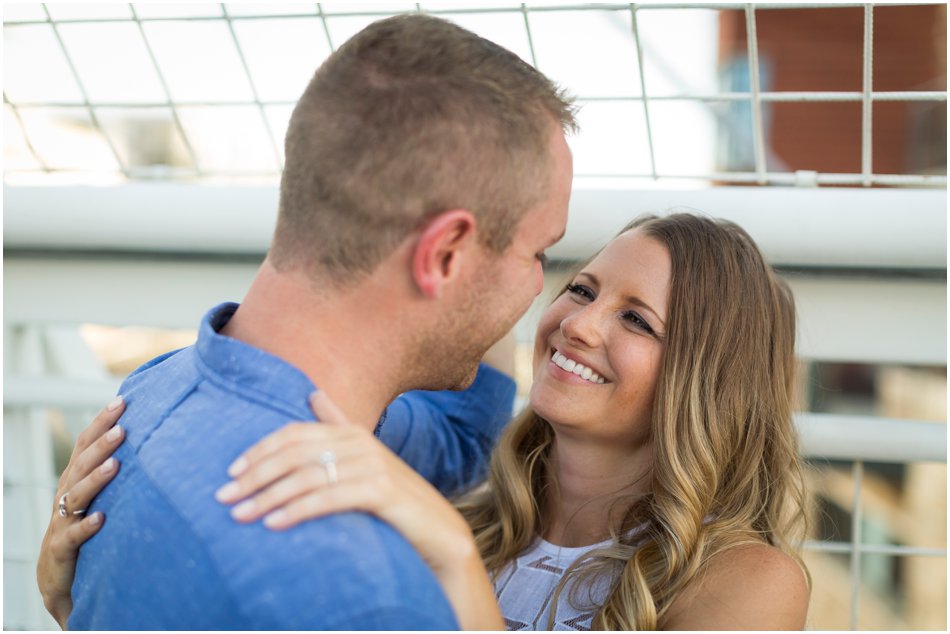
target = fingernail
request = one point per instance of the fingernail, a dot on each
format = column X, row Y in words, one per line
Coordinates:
column 108, row 466
column 275, row 519
column 228, row 492
column 114, row 405
column 96, row 518
column 237, row 467
column 113, row 434
column 244, row 509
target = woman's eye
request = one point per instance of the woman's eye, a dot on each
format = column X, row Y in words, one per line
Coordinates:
column 581, row 291
column 638, row 321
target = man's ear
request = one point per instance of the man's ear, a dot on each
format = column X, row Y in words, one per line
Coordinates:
column 436, row 259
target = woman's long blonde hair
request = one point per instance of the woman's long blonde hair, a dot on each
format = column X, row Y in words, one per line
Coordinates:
column 726, row 468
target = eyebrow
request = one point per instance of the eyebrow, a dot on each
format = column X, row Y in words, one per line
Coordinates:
column 633, row 299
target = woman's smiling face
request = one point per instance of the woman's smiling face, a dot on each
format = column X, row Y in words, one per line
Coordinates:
column 612, row 321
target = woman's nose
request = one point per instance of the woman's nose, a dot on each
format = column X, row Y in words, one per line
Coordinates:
column 583, row 326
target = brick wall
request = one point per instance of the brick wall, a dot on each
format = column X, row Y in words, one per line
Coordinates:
column 822, row 50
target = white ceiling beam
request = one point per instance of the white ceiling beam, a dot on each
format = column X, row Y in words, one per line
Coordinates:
column 822, row 227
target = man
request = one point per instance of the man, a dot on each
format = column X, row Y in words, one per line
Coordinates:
column 426, row 173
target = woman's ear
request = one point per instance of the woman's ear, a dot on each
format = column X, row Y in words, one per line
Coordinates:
column 436, row 259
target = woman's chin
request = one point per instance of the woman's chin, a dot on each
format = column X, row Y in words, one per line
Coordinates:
column 545, row 405
column 538, row 404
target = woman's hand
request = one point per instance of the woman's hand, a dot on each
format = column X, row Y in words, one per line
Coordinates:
column 305, row 470
column 90, row 468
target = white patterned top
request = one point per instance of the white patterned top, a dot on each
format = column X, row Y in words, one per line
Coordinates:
column 525, row 589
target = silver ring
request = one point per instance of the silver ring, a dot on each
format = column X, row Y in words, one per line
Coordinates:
column 63, row 511
column 328, row 460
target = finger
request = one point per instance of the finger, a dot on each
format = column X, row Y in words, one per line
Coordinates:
column 80, row 496
column 105, row 419
column 283, row 462
column 354, row 495
column 326, row 410
column 296, row 484
column 264, row 471
column 65, row 544
column 92, row 457
column 291, row 434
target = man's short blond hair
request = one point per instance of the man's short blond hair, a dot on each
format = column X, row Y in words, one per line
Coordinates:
column 412, row 116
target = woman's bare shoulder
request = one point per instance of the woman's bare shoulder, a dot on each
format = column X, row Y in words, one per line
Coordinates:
column 754, row 586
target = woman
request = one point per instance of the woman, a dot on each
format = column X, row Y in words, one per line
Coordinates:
column 654, row 481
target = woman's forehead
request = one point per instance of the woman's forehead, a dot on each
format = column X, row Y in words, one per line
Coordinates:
column 635, row 263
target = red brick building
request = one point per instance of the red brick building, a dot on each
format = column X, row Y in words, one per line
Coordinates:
column 822, row 50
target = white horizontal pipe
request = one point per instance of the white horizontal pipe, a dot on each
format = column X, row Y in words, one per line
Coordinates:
column 821, row 435
column 21, row 391
column 807, row 226
column 141, row 217
column 878, row 549
column 793, row 226
column 870, row 439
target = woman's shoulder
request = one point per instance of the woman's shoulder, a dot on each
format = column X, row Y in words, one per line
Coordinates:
column 752, row 586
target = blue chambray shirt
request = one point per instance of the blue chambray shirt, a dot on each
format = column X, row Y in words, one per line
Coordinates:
column 170, row 557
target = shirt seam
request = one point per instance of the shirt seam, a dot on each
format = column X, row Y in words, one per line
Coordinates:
column 201, row 541
column 161, row 419
column 225, row 583
column 171, row 503
column 250, row 393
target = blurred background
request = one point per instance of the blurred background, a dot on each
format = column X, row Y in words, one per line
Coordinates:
column 143, row 145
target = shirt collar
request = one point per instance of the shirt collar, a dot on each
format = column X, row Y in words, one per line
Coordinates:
column 249, row 371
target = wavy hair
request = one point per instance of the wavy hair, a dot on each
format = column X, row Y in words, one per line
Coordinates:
column 726, row 468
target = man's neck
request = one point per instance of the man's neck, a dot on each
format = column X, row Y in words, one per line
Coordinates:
column 335, row 338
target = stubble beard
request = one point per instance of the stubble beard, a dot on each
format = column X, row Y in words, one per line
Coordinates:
column 448, row 355
column 442, row 361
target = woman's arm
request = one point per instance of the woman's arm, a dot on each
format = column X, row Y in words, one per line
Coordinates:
column 754, row 587
column 90, row 468
column 282, row 480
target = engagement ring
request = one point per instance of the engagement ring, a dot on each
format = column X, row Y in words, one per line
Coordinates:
column 63, row 511
column 328, row 460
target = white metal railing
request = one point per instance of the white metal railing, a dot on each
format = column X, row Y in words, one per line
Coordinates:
column 856, row 546
column 860, row 440
column 756, row 96
column 834, row 437
column 827, row 436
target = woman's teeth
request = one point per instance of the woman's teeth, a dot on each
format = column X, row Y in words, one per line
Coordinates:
column 569, row 365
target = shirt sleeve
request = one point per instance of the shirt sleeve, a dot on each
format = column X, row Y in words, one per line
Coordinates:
column 448, row 436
